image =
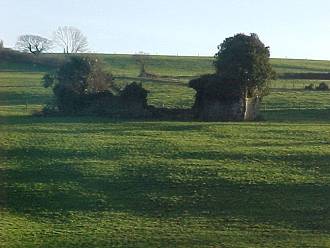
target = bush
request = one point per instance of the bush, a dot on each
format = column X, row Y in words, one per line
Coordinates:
column 309, row 87
column 134, row 92
column 80, row 86
column 131, row 102
column 322, row 87
column 75, row 79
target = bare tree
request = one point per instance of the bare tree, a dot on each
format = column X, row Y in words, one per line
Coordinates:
column 141, row 59
column 33, row 44
column 1, row 44
column 70, row 39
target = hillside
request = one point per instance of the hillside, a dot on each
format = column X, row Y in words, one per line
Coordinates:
column 173, row 66
column 101, row 182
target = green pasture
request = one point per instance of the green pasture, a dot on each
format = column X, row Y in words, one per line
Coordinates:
column 174, row 66
column 100, row 182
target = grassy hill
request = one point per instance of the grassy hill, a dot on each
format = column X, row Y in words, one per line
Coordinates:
column 172, row 66
column 99, row 182
column 192, row 66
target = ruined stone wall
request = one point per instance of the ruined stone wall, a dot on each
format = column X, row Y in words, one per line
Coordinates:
column 218, row 111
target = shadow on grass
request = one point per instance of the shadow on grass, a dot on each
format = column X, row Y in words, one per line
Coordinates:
column 44, row 190
column 22, row 98
column 282, row 115
column 297, row 115
column 123, row 124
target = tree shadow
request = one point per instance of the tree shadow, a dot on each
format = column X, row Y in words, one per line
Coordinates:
column 22, row 98
column 116, row 123
column 297, row 115
column 44, row 189
column 302, row 160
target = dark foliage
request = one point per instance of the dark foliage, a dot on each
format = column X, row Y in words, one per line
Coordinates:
column 76, row 79
column 131, row 102
column 244, row 61
column 48, row 80
column 80, row 86
column 243, row 71
column 214, row 87
column 322, row 87
column 134, row 92
column 217, row 99
column 310, row 87
column 100, row 103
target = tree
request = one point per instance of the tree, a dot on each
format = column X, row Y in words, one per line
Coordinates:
column 71, row 40
column 1, row 44
column 141, row 59
column 244, row 59
column 78, row 77
column 33, row 44
column 242, row 74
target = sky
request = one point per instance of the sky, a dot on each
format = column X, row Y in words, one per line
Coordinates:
column 291, row 28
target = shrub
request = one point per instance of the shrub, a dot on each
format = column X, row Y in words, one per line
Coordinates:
column 80, row 86
column 134, row 92
column 322, row 87
column 75, row 79
column 130, row 102
column 309, row 87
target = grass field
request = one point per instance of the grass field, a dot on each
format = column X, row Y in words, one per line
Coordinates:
column 192, row 66
column 98, row 182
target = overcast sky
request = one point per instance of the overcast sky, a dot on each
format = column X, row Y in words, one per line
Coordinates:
column 292, row 28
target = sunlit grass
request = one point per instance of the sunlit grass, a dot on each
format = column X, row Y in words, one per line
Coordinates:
column 99, row 182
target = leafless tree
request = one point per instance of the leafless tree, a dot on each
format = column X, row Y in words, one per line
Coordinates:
column 141, row 59
column 1, row 44
column 70, row 39
column 33, row 44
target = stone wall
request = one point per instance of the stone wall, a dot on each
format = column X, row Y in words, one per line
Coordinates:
column 218, row 111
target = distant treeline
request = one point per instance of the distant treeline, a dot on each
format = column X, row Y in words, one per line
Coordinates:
column 307, row 75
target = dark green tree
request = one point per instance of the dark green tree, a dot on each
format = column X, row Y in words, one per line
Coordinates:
column 75, row 79
column 244, row 60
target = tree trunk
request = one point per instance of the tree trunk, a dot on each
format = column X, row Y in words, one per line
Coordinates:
column 251, row 109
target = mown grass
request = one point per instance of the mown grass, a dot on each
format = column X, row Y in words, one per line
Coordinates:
column 72, row 182
column 99, row 182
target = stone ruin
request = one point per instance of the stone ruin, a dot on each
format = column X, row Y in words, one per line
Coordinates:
column 219, row 100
